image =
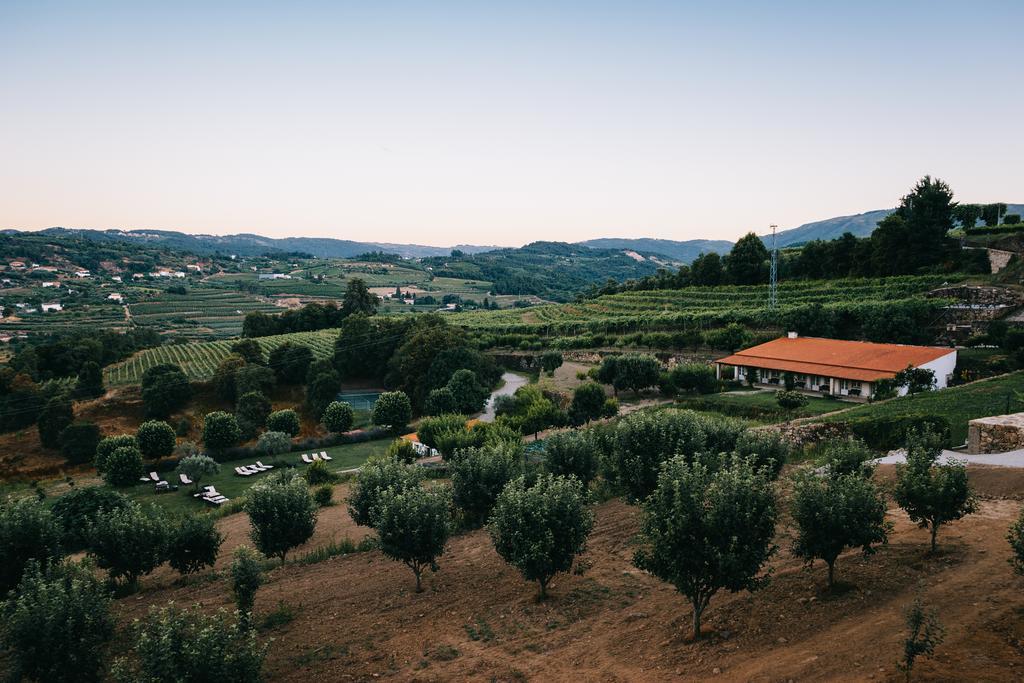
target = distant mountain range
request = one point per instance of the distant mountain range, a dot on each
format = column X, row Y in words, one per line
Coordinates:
column 861, row 225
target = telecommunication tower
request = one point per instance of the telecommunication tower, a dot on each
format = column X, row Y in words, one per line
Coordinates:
column 773, row 276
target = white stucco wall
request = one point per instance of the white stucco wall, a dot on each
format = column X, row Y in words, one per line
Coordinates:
column 943, row 368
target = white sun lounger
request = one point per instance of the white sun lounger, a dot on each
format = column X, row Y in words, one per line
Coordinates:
column 243, row 471
column 324, row 456
column 264, row 467
column 306, row 459
column 183, row 478
column 219, row 500
column 154, row 476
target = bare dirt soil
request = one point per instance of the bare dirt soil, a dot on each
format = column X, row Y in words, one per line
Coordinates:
column 357, row 618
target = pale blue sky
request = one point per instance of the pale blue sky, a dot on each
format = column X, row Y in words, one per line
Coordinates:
column 500, row 123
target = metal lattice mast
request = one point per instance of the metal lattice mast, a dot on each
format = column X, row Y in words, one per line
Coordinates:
column 773, row 276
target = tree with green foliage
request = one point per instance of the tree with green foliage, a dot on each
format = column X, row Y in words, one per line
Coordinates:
column 836, row 513
column 274, row 443
column 588, row 403
column 766, row 451
column 693, row 377
column 176, row 644
column 847, row 456
column 550, row 361
column 540, row 529
column 730, row 338
column 290, row 362
column 246, row 579
column 110, row 444
column 358, row 298
column 479, row 475
column 76, row 510
column 916, row 235
column 156, row 439
column 224, row 377
column 967, row 215
column 430, row 340
column 403, row 451
column 375, row 477
column 250, row 351
column 165, row 389
column 321, row 392
column 78, row 442
column 193, row 544
column 282, row 514
column 431, row 429
column 392, row 410
column 932, row 494
column 707, row 270
column 338, row 417
column 992, row 213
column 413, row 525
column 129, row 542
column 29, row 532
column 90, row 381
column 470, row 395
column 286, row 421
column 440, row 401
column 56, row 415
column 571, row 454
column 915, row 380
column 747, row 262
column 123, row 467
column 705, row 531
column 220, row 431
column 197, row 466
column 56, row 624
column 258, row 378
column 252, row 411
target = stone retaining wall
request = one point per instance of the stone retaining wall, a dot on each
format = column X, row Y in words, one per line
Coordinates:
column 996, row 434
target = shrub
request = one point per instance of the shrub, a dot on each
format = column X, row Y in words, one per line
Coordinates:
column 932, row 494
column 550, row 361
column 588, row 403
column 110, row 444
column 836, row 513
column 431, row 428
column 323, row 496
column 392, row 410
column 284, row 421
column 194, row 544
column 766, row 449
column 56, row 624
column 884, row 432
column 376, row 476
column 847, row 456
column 174, row 644
column 479, row 475
column 129, row 543
column 413, row 525
column 693, row 377
column 338, row 417
column 282, row 514
column 440, row 401
column 78, row 508
column 790, row 400
column 78, row 442
column 571, row 454
column 220, row 431
column 318, row 473
column 704, row 531
column 123, row 467
column 28, row 532
column 246, row 579
column 540, row 529
column 165, row 389
column 274, row 443
column 403, row 451
column 156, row 439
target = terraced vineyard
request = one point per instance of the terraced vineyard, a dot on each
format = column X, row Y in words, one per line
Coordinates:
column 94, row 316
column 705, row 307
column 201, row 311
column 199, row 360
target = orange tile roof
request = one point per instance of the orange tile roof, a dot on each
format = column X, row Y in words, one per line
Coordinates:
column 864, row 361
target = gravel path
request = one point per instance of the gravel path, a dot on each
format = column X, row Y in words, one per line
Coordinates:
column 1008, row 459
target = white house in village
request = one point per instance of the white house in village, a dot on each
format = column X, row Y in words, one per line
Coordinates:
column 82, row 273
column 51, row 284
column 115, row 278
column 836, row 367
column 50, row 308
column 115, row 296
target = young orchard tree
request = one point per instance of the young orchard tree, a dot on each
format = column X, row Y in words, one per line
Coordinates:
column 29, row 532
column 478, row 477
column 571, row 454
column 924, row 634
column 282, row 514
column 246, row 579
column 588, row 403
column 156, row 439
column 194, row 544
column 413, row 526
column 375, row 477
column 705, row 531
column 836, row 513
column 338, row 417
column 56, row 624
column 932, row 494
column 1016, row 539
column 540, row 529
column 129, row 543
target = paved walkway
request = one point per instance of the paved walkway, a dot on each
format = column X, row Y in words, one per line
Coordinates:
column 1008, row 459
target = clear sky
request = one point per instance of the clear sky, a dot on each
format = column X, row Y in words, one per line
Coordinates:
column 500, row 123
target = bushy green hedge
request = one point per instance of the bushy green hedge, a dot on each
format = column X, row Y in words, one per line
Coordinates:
column 885, row 433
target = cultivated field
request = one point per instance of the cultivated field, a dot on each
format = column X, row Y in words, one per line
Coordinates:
column 200, row 311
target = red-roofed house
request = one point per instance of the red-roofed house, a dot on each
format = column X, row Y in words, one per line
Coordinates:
column 836, row 366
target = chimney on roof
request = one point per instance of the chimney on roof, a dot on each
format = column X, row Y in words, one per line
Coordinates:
column 792, row 335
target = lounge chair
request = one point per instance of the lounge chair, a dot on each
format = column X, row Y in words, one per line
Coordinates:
column 243, row 472
column 306, row 459
column 183, row 478
column 145, row 479
column 154, row 476
column 264, row 467
column 324, row 456
column 219, row 500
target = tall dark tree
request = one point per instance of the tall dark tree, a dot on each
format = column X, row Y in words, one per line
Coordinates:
column 916, row 235
column 56, row 415
column 165, row 388
column 747, row 263
column 90, row 380
column 358, row 299
column 707, row 270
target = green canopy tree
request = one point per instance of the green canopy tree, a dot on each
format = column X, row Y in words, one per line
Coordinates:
column 747, row 262
column 358, row 299
column 282, row 514
column 413, row 525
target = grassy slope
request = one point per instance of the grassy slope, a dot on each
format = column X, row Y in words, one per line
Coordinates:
column 758, row 401
column 994, row 396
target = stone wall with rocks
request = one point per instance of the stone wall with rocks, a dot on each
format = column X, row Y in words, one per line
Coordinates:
column 996, row 434
column 800, row 436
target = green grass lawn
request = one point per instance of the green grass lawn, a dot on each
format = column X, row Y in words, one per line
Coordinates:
column 759, row 405
column 995, row 396
column 233, row 486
